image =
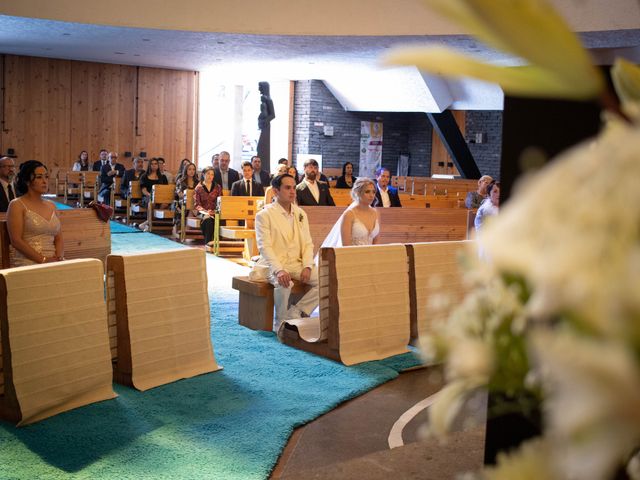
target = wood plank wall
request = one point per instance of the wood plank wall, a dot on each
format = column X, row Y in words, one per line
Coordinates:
column 52, row 109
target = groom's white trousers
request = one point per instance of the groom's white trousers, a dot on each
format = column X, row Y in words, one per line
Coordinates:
column 306, row 304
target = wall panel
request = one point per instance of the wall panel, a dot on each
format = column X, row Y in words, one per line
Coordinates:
column 53, row 109
column 166, row 114
column 37, row 114
column 102, row 107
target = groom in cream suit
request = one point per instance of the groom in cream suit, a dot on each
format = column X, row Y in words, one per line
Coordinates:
column 284, row 241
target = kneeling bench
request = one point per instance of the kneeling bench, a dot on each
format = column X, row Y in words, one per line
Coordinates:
column 255, row 308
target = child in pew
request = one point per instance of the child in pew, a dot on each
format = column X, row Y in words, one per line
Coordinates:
column 34, row 226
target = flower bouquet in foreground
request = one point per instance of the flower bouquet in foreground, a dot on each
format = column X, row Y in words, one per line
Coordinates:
column 552, row 321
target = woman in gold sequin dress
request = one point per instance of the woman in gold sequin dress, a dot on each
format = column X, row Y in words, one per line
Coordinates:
column 32, row 221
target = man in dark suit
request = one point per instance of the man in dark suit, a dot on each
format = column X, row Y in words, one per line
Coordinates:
column 247, row 187
column 131, row 175
column 108, row 172
column 311, row 191
column 224, row 175
column 98, row 164
column 386, row 195
column 7, row 192
column 259, row 175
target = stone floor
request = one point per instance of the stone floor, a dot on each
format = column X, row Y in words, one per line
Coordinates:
column 352, row 441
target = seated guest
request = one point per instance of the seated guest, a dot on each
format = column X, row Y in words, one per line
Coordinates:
column 386, row 195
column 130, row 175
column 347, row 178
column 82, row 164
column 359, row 224
column 98, row 164
column 489, row 207
column 151, row 177
column 311, row 191
column 269, row 193
column 474, row 199
column 108, row 172
column 163, row 170
column 206, row 199
column 187, row 181
column 247, row 187
column 259, row 175
column 183, row 163
column 7, row 172
column 283, row 161
column 294, row 173
column 224, row 175
column 215, row 160
column 34, row 227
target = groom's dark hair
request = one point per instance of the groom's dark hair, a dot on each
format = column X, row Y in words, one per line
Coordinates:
column 277, row 180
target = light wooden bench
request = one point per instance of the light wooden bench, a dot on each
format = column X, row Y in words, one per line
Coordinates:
column 90, row 186
column 189, row 227
column 159, row 317
column 432, row 186
column 55, row 346
column 397, row 225
column 160, row 211
column 434, row 270
column 363, row 323
column 84, row 234
column 135, row 210
column 238, row 209
column 255, row 307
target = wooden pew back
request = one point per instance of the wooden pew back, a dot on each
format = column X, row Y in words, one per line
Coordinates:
column 238, row 208
column 397, row 225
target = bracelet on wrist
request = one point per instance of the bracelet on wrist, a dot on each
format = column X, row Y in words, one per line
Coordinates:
column 44, row 259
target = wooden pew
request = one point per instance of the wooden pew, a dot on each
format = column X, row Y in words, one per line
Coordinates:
column 236, row 209
column 433, row 186
column 161, row 207
column 255, row 305
column 342, row 197
column 90, row 185
column 434, row 271
column 362, row 324
column 135, row 210
column 84, row 234
column 159, row 317
column 73, row 186
column 189, row 227
column 397, row 225
column 55, row 346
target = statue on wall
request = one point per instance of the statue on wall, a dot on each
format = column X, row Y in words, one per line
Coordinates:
column 267, row 113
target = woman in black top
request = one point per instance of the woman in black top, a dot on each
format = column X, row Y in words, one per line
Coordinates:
column 347, row 179
column 150, row 178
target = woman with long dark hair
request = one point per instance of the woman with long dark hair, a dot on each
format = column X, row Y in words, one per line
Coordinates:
column 206, row 199
column 32, row 221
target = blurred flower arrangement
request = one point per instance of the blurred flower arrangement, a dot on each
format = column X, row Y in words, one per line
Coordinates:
column 553, row 318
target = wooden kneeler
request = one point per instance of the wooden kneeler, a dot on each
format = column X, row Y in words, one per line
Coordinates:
column 364, row 301
column 434, row 271
column 55, row 344
column 159, row 318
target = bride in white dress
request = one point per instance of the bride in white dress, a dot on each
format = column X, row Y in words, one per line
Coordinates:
column 359, row 223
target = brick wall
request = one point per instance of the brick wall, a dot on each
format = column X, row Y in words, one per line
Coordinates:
column 404, row 133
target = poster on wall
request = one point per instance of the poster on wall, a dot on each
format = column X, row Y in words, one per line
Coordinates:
column 370, row 148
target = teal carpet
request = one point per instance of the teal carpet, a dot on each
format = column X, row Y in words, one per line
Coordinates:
column 231, row 424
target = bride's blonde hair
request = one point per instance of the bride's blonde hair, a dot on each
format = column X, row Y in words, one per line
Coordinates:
column 358, row 187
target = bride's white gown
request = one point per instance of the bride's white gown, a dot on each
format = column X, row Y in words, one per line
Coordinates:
column 360, row 235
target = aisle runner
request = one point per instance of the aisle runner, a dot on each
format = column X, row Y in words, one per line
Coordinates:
column 230, row 424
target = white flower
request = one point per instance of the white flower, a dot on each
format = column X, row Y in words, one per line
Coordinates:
column 530, row 462
column 592, row 399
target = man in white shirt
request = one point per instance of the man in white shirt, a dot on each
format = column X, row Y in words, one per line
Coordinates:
column 247, row 187
column 7, row 172
column 286, row 247
column 104, row 159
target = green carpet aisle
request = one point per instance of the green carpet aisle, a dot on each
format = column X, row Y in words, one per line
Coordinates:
column 231, row 424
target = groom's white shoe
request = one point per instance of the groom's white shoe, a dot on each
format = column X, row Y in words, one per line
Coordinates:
column 293, row 312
